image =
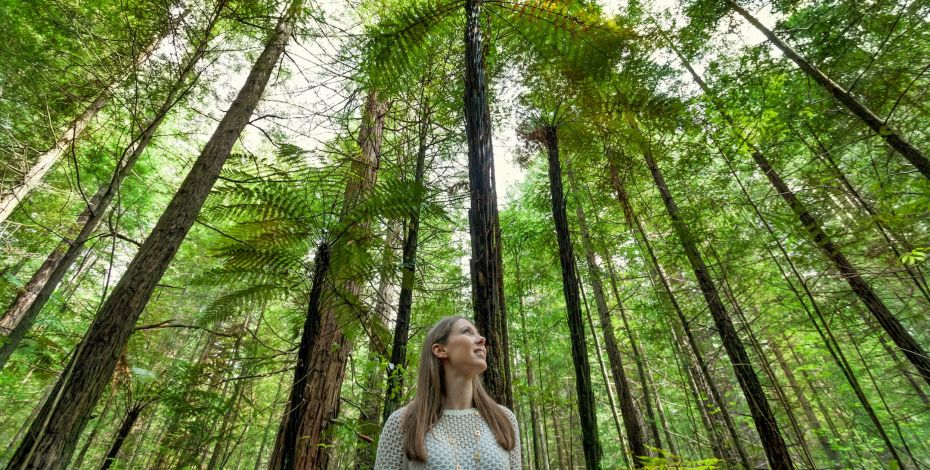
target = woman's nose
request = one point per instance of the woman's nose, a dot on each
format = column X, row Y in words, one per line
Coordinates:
column 481, row 339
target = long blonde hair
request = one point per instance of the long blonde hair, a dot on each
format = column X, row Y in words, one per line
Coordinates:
column 426, row 407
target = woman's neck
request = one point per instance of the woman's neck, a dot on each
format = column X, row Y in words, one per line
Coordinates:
column 459, row 392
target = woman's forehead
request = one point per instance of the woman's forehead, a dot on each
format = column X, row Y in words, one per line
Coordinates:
column 463, row 322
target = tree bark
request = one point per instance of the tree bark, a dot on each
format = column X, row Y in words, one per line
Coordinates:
column 25, row 308
column 766, row 425
column 53, row 435
column 892, row 137
column 585, row 394
column 324, row 346
column 487, row 277
column 634, row 432
column 128, row 422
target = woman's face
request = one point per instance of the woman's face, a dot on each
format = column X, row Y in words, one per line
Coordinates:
column 465, row 350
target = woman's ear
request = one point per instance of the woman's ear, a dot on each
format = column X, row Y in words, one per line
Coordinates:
column 440, row 351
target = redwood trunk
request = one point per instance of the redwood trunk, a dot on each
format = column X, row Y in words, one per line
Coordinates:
column 53, row 435
column 10, row 199
column 585, row 394
column 889, row 322
column 487, row 276
column 324, row 347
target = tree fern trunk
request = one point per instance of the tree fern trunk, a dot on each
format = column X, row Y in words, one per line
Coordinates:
column 125, row 427
column 585, row 394
column 52, row 437
column 395, row 373
column 487, row 276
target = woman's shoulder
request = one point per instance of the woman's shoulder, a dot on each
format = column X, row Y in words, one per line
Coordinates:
column 397, row 417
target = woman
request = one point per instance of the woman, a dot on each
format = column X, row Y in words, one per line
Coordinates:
column 452, row 423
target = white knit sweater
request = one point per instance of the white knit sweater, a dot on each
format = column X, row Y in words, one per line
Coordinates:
column 469, row 434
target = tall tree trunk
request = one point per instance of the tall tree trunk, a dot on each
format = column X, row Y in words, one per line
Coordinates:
column 128, row 422
column 891, row 238
column 628, row 410
column 52, row 437
column 324, row 347
column 766, row 425
column 760, row 353
column 892, row 137
column 487, row 276
column 605, row 376
column 539, row 442
column 715, row 406
column 369, row 420
column 641, row 364
column 11, row 198
column 585, row 394
column 22, row 312
column 395, row 374
column 889, row 322
column 805, row 405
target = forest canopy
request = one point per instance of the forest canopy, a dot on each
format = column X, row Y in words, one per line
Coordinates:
column 693, row 233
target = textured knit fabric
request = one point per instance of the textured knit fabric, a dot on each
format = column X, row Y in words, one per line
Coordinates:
column 464, row 427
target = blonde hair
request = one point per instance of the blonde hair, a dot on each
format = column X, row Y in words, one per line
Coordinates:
column 426, row 407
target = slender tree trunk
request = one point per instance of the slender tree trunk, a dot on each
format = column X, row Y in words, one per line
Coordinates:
column 641, row 365
column 395, row 374
column 891, row 238
column 889, row 322
column 804, row 404
column 605, row 376
column 767, row 370
column 816, row 317
column 324, row 346
column 369, row 420
column 585, row 394
column 892, row 137
column 128, row 422
column 25, row 308
column 268, row 425
column 715, row 405
column 634, row 432
column 11, row 198
column 52, row 437
column 487, row 277
column 539, row 443
column 766, row 425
